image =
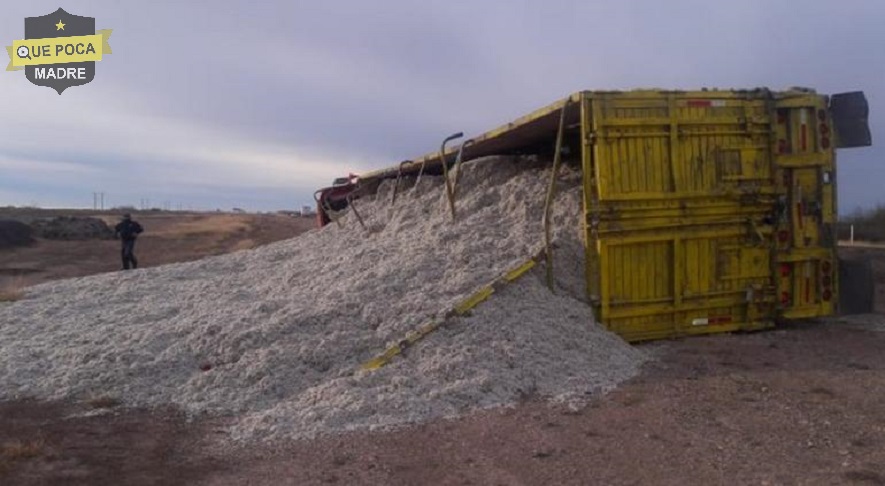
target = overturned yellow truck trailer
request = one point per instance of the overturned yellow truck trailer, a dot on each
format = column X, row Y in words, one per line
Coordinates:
column 704, row 211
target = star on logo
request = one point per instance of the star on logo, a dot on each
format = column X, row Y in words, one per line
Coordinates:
column 60, row 25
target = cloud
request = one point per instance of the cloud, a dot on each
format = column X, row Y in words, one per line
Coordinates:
column 126, row 141
column 201, row 101
column 46, row 167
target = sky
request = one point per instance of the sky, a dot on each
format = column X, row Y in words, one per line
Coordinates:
column 223, row 104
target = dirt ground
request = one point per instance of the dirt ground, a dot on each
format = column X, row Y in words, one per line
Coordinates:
column 169, row 237
column 802, row 404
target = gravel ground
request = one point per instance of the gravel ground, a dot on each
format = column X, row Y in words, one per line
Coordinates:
column 798, row 405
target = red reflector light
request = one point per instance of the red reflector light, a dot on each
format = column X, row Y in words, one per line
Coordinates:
column 824, row 143
column 785, row 269
column 825, row 266
column 782, row 146
column 827, row 280
column 827, row 295
column 785, row 298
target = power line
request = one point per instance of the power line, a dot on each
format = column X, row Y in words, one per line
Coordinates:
column 97, row 201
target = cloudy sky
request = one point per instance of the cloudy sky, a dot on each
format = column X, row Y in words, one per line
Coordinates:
column 255, row 104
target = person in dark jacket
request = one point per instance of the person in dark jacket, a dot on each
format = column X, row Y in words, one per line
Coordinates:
column 128, row 230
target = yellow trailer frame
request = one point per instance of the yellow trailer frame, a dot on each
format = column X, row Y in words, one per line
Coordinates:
column 704, row 211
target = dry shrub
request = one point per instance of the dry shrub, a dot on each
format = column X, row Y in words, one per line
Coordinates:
column 12, row 291
column 103, row 402
column 820, row 390
column 869, row 225
column 205, row 225
column 632, row 399
column 246, row 244
column 864, row 476
column 15, row 234
column 22, row 450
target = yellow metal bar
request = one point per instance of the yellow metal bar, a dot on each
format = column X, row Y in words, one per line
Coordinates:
column 613, row 136
column 803, row 312
column 674, row 163
column 621, row 312
column 450, row 192
column 457, row 167
column 805, row 254
column 668, row 196
column 666, row 121
column 667, row 232
column 466, row 305
column 801, row 101
column 551, row 194
column 383, row 358
column 519, row 271
column 802, row 160
column 711, row 211
column 590, row 198
column 460, row 309
column 679, row 268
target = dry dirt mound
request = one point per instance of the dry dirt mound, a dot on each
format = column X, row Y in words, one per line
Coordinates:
column 72, row 228
column 14, row 234
column 276, row 335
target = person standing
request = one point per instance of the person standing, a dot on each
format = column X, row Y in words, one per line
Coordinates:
column 128, row 230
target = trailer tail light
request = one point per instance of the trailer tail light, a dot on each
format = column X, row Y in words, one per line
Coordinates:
column 785, row 269
column 785, row 298
column 826, row 268
column 824, row 132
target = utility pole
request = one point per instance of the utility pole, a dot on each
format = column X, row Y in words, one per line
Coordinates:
column 102, row 201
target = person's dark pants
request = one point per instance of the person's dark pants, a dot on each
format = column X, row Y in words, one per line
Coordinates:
column 129, row 254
